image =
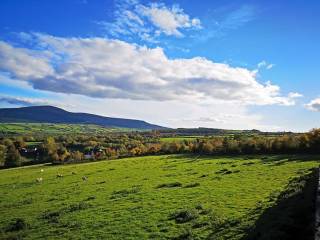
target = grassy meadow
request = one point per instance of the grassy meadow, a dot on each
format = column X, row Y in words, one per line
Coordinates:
column 179, row 138
column 156, row 197
column 50, row 128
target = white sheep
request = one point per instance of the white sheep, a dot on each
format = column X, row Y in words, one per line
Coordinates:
column 41, row 170
column 59, row 175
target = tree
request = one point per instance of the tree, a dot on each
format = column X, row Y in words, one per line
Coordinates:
column 19, row 143
column 3, row 150
column 13, row 158
column 77, row 156
column 50, row 149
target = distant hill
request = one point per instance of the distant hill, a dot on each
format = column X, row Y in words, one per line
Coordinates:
column 49, row 114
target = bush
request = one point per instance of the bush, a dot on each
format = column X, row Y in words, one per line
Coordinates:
column 17, row 225
column 183, row 216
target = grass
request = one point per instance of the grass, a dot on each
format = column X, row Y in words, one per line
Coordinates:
column 179, row 139
column 50, row 128
column 157, row 197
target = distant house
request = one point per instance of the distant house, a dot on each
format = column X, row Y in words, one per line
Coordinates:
column 88, row 155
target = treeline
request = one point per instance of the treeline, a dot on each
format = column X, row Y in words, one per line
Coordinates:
column 17, row 151
column 216, row 132
column 68, row 149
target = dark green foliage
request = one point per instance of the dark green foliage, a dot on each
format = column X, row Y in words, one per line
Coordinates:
column 13, row 158
column 51, row 216
column 17, row 224
column 183, row 216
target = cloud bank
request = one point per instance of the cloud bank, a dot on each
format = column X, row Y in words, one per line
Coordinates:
column 105, row 68
column 21, row 101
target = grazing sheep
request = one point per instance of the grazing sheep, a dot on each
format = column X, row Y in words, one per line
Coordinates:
column 84, row 178
column 39, row 180
column 59, row 175
column 41, row 170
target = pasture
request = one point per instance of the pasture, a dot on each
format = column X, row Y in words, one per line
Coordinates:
column 179, row 138
column 52, row 128
column 156, row 197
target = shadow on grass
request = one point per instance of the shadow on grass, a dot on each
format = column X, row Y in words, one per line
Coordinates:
column 284, row 158
column 275, row 159
column 292, row 216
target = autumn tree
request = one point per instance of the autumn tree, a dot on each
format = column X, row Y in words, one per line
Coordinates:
column 13, row 158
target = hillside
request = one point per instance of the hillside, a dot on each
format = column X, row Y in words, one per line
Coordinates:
column 49, row 114
column 160, row 197
column 7, row 129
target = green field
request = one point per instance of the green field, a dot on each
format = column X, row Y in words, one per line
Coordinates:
column 179, row 138
column 48, row 128
column 157, row 197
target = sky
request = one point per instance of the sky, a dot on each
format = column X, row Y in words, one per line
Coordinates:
column 183, row 63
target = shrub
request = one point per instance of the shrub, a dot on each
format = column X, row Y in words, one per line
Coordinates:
column 183, row 216
column 17, row 224
column 52, row 217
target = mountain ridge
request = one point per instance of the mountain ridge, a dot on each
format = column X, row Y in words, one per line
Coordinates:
column 51, row 114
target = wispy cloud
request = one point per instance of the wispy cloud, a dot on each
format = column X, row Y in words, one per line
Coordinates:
column 265, row 64
column 22, row 101
column 218, row 23
column 134, row 20
column 238, row 17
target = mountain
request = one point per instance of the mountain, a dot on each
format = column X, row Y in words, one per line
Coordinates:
column 49, row 114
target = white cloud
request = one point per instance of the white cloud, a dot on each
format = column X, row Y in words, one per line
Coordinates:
column 269, row 66
column 295, row 95
column 147, row 22
column 314, row 105
column 105, row 68
column 266, row 65
column 172, row 114
column 24, row 63
column 262, row 64
column 169, row 20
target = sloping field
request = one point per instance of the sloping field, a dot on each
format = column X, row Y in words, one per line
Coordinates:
column 158, row 197
column 51, row 128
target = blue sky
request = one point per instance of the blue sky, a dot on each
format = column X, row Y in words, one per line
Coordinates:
column 228, row 64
